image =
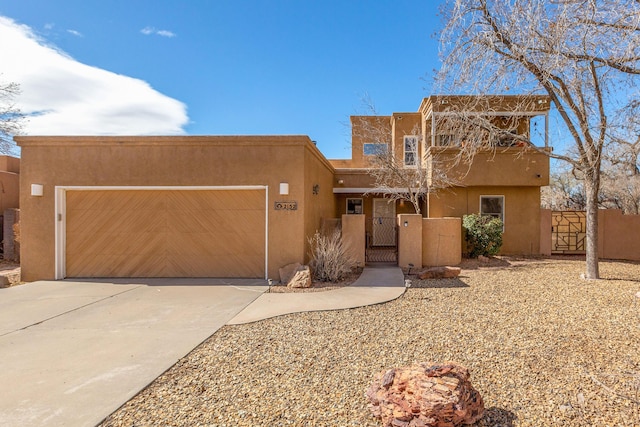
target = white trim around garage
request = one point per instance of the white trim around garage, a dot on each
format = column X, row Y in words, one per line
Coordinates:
column 61, row 215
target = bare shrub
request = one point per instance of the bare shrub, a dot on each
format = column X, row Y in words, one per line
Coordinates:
column 330, row 259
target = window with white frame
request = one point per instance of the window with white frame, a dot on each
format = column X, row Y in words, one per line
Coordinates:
column 354, row 206
column 411, row 150
column 374, row 148
column 492, row 206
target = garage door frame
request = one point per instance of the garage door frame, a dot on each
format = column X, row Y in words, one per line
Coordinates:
column 61, row 215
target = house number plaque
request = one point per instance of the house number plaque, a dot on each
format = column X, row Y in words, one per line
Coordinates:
column 286, row 206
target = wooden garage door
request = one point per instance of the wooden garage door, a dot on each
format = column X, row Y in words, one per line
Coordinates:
column 165, row 233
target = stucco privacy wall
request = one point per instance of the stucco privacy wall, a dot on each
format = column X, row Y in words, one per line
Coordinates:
column 521, row 213
column 441, row 241
column 618, row 234
column 545, row 232
column 171, row 161
column 353, row 235
column 410, row 245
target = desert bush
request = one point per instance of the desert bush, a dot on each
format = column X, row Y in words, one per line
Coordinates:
column 330, row 260
column 483, row 234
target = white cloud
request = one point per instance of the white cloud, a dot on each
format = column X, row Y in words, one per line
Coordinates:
column 75, row 33
column 65, row 97
column 147, row 31
column 165, row 33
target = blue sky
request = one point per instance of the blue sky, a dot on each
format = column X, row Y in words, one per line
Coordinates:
column 216, row 67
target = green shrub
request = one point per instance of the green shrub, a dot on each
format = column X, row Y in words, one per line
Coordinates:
column 483, row 234
column 330, row 260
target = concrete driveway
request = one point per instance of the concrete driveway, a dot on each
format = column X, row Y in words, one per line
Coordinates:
column 72, row 352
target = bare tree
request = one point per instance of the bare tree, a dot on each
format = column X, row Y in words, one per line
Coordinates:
column 11, row 118
column 621, row 171
column 583, row 54
column 620, row 188
column 565, row 192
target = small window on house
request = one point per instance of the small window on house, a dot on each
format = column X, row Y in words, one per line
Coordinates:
column 410, row 150
column 354, row 206
column 492, row 206
column 374, row 148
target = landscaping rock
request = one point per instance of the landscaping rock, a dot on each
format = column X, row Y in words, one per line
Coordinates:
column 288, row 271
column 425, row 395
column 4, row 282
column 301, row 278
column 440, row 273
column 483, row 259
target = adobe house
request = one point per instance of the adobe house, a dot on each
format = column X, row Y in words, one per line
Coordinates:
column 504, row 182
column 244, row 206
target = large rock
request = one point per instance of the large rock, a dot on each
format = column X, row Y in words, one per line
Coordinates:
column 288, row 271
column 425, row 395
column 301, row 278
column 440, row 273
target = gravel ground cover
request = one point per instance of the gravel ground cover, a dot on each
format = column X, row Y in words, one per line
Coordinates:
column 544, row 348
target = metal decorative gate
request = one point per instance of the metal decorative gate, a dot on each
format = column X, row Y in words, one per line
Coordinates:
column 568, row 232
column 382, row 240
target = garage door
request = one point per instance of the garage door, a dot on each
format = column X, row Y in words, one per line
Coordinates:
column 165, row 233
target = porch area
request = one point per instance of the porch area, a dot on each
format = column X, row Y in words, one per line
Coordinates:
column 409, row 240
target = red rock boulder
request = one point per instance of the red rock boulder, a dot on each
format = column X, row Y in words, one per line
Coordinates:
column 425, row 395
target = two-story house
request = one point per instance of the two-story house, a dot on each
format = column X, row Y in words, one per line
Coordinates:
column 502, row 179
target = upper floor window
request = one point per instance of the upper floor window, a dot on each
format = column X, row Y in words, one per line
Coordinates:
column 492, row 206
column 411, row 150
column 374, row 148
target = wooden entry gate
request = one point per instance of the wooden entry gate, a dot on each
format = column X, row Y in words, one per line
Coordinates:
column 568, row 232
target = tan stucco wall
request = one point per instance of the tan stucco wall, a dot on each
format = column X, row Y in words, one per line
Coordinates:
column 365, row 129
column 405, row 124
column 164, row 161
column 441, row 241
column 10, row 164
column 507, row 166
column 545, row 232
column 317, row 172
column 353, row 235
column 353, row 178
column 410, row 240
column 619, row 235
column 9, row 190
column 521, row 213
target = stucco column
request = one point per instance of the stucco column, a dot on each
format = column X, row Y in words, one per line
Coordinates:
column 545, row 232
column 353, row 235
column 410, row 240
